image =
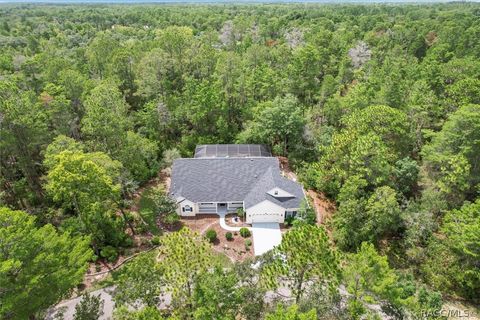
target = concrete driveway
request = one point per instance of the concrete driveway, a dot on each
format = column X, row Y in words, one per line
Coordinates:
column 265, row 237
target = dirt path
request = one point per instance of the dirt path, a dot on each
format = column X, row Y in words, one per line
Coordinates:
column 324, row 208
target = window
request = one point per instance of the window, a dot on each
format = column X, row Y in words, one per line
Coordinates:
column 276, row 192
column 289, row 213
column 187, row 208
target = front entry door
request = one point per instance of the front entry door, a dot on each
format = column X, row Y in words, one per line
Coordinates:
column 221, row 207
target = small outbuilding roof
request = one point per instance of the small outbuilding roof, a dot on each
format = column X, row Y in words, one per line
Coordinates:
column 232, row 151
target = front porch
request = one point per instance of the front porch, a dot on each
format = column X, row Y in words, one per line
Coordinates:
column 219, row 207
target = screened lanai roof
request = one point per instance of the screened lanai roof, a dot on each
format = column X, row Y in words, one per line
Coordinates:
column 231, row 151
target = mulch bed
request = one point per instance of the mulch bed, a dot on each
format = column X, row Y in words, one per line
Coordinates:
column 234, row 249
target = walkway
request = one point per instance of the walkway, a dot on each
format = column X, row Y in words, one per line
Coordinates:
column 266, row 236
column 222, row 213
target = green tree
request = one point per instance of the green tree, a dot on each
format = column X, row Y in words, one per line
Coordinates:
column 99, row 52
column 368, row 278
column 140, row 156
column 87, row 183
column 148, row 313
column 359, row 219
column 24, row 132
column 157, row 206
column 305, row 255
column 391, row 125
column 462, row 228
column 451, row 159
column 80, row 179
column 370, row 144
column 291, row 313
column 251, row 290
column 306, row 71
column 217, row 295
column 89, row 308
column 38, row 266
column 347, row 156
column 278, row 123
column 58, row 145
column 140, row 282
column 105, row 122
column 184, row 257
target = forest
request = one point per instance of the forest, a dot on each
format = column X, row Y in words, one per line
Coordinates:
column 376, row 107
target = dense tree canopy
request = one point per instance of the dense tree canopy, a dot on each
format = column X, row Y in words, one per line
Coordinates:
column 38, row 266
column 376, row 107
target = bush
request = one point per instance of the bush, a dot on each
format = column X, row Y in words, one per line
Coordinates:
column 127, row 242
column 248, row 243
column 211, row 235
column 155, row 241
column 169, row 156
column 289, row 221
column 229, row 236
column 171, row 218
column 244, row 232
column 240, row 213
column 109, row 253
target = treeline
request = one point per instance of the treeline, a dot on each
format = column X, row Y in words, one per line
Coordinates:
column 376, row 106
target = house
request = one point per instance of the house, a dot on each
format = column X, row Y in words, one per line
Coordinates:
column 223, row 178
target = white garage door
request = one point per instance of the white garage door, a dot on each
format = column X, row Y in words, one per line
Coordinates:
column 267, row 217
column 265, row 237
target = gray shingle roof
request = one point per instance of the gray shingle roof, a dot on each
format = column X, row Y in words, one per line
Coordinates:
column 232, row 179
column 271, row 179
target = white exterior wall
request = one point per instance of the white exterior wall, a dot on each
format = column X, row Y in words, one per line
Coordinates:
column 185, row 203
column 265, row 211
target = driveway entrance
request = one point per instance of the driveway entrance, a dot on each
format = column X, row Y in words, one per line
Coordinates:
column 265, row 236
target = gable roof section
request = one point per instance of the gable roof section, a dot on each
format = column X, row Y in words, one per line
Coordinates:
column 232, row 179
column 273, row 179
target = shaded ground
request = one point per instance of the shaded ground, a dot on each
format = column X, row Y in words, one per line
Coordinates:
column 324, row 208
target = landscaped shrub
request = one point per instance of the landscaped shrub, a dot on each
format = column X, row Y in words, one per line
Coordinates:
column 248, row 243
column 240, row 213
column 244, row 232
column 211, row 235
column 289, row 221
column 229, row 236
column 155, row 241
column 109, row 253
